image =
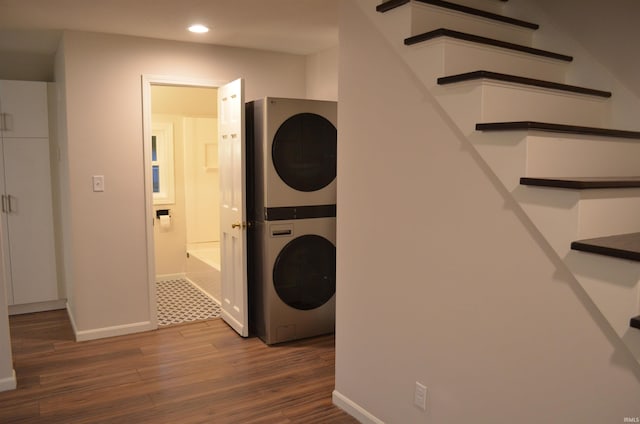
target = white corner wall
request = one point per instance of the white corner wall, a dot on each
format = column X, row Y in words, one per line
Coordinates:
column 105, row 242
column 7, row 374
column 62, row 212
column 322, row 75
column 442, row 279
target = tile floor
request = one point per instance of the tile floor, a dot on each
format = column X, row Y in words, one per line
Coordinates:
column 180, row 301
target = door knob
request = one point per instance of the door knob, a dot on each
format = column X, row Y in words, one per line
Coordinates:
column 237, row 225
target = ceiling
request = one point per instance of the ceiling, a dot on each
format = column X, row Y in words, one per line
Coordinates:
column 291, row 26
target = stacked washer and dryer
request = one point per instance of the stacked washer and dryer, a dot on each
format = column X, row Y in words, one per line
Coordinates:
column 292, row 144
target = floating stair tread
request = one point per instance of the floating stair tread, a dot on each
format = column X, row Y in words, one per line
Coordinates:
column 624, row 246
column 635, row 322
column 477, row 75
column 444, row 32
column 392, row 4
column 559, row 128
column 585, row 183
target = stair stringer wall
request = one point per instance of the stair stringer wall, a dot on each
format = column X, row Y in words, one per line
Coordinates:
column 562, row 216
column 478, row 306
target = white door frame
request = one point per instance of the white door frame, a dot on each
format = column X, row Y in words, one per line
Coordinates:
column 147, row 82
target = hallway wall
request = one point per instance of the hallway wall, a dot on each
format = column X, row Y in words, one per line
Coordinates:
column 106, row 248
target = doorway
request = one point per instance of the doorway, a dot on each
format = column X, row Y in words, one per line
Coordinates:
column 232, row 216
column 181, row 123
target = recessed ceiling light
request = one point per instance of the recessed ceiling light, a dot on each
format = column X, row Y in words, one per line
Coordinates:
column 198, row 28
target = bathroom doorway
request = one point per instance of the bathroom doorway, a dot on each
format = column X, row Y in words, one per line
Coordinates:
column 232, row 212
column 185, row 198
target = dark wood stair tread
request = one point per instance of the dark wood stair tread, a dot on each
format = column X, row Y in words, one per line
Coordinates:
column 444, row 32
column 624, row 246
column 635, row 322
column 392, row 4
column 583, row 183
column 476, row 75
column 559, row 128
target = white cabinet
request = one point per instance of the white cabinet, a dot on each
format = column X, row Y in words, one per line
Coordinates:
column 23, row 109
column 28, row 249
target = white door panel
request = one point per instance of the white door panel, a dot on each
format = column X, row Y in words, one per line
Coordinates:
column 233, row 233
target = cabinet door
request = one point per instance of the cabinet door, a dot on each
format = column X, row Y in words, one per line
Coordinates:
column 30, row 220
column 24, row 109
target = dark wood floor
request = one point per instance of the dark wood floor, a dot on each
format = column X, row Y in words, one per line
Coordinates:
column 193, row 373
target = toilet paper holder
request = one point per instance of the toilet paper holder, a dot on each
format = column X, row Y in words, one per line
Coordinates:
column 161, row 212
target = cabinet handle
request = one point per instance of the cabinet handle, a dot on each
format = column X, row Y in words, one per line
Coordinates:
column 9, row 202
column 4, row 209
column 5, row 122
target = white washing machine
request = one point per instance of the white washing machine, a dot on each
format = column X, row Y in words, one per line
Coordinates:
column 294, row 292
column 294, row 142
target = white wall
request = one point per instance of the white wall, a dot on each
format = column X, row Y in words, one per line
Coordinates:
column 62, row 213
column 322, row 75
column 202, row 180
column 7, row 375
column 597, row 38
column 442, row 279
column 606, row 30
column 106, row 250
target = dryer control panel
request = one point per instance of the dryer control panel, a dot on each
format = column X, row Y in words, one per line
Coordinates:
column 281, row 230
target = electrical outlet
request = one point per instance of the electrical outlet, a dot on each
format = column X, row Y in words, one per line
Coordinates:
column 420, row 396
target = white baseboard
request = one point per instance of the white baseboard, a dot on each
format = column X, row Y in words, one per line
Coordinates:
column 29, row 308
column 104, row 332
column 353, row 409
column 116, row 330
column 9, row 383
column 170, row 276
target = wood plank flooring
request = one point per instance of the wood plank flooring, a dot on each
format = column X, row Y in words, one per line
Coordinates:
column 193, row 373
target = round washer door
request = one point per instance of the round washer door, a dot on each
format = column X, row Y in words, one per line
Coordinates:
column 304, row 273
column 304, row 152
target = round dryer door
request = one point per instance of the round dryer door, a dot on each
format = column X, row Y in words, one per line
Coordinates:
column 304, row 274
column 304, row 152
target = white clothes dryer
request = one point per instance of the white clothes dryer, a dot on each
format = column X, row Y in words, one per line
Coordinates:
column 293, row 296
column 295, row 144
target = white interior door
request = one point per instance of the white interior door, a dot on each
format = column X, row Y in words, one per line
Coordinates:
column 233, row 218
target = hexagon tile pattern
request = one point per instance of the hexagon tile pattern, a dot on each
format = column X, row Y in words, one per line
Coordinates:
column 180, row 301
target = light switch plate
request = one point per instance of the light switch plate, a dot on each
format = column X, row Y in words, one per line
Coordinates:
column 420, row 396
column 98, row 183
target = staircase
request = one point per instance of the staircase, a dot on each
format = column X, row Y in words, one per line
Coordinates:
column 549, row 142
